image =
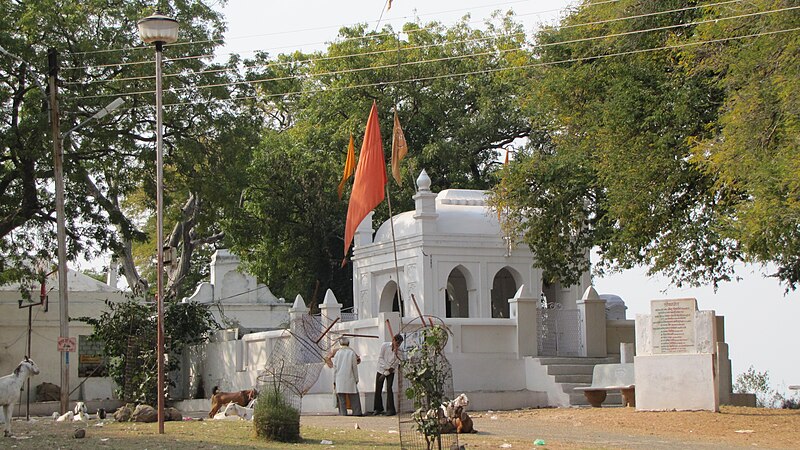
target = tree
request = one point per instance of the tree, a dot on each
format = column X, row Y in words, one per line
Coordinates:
column 109, row 165
column 752, row 382
column 128, row 333
column 446, row 83
column 637, row 109
column 754, row 151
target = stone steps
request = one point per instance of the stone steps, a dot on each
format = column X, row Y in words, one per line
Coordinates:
column 572, row 372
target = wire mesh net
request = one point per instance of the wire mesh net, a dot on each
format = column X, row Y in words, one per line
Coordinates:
column 425, row 383
column 296, row 359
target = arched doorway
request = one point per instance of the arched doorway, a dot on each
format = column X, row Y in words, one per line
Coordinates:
column 456, row 295
column 503, row 288
column 389, row 301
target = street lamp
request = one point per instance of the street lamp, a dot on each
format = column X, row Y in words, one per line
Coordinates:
column 159, row 29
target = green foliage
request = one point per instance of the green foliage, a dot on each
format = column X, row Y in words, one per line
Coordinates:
column 680, row 159
column 290, row 226
column 274, row 419
column 128, row 331
column 754, row 152
column 109, row 164
column 753, row 382
column 423, row 370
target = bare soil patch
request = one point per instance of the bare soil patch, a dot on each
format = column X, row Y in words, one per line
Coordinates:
column 563, row 428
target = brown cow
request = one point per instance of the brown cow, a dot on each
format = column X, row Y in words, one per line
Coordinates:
column 220, row 399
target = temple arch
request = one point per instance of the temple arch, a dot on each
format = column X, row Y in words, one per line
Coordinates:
column 456, row 294
column 389, row 301
column 503, row 288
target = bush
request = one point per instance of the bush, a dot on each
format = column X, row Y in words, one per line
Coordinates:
column 274, row 418
column 757, row 383
column 791, row 403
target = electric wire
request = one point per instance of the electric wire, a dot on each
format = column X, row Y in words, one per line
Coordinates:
column 328, row 27
column 502, row 69
column 279, row 63
column 441, row 59
column 369, row 36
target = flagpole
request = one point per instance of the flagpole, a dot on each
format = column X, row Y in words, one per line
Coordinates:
column 394, row 248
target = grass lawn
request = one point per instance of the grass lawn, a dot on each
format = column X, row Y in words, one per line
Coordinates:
column 189, row 435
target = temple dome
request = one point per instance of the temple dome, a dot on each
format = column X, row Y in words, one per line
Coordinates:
column 459, row 212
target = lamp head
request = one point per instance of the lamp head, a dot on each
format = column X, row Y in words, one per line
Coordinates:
column 158, row 29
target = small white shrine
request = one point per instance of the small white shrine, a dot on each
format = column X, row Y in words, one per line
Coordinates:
column 236, row 299
column 452, row 257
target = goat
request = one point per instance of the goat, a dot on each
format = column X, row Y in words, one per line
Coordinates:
column 10, row 386
column 81, row 413
column 219, row 399
column 455, row 418
column 234, row 410
column 68, row 416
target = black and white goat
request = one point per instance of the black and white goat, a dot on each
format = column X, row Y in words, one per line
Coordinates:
column 10, row 386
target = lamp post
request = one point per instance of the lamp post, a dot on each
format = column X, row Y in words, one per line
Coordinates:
column 159, row 29
column 63, row 294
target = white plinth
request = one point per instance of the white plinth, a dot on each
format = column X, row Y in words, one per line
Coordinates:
column 679, row 382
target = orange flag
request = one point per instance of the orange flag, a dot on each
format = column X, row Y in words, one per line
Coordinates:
column 349, row 166
column 370, row 181
column 399, row 149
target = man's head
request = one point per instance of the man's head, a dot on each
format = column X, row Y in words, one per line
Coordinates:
column 398, row 339
column 344, row 341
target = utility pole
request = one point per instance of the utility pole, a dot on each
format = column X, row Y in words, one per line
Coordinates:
column 61, row 234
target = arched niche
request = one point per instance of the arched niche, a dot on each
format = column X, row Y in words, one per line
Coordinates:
column 504, row 286
column 389, row 301
column 456, row 294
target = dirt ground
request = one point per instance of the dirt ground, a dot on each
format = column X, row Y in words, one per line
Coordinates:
column 615, row 427
column 556, row 428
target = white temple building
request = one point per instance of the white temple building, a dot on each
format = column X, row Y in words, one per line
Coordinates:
column 516, row 341
column 236, row 299
column 451, row 256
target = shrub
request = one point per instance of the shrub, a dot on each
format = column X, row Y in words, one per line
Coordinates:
column 756, row 383
column 274, row 418
column 791, row 403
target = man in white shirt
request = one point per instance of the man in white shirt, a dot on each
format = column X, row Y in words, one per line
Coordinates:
column 345, row 375
column 387, row 366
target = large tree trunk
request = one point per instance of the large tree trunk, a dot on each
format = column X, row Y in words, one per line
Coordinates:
column 184, row 237
column 126, row 230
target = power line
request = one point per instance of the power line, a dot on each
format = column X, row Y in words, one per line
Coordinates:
column 370, row 36
column 424, row 61
column 527, row 66
column 639, row 16
column 487, row 71
column 311, row 60
column 328, row 27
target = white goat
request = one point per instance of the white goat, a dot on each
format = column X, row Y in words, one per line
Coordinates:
column 234, row 410
column 80, row 412
column 10, row 386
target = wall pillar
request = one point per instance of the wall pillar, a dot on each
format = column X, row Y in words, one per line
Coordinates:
column 525, row 311
column 298, row 308
column 330, row 308
column 593, row 314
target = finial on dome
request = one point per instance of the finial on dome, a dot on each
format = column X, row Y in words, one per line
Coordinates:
column 424, row 181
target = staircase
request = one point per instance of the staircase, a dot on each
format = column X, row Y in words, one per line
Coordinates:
column 568, row 373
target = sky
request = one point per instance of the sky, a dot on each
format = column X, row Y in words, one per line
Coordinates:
column 761, row 322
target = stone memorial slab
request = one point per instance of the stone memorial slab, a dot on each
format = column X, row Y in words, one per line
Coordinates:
column 673, row 323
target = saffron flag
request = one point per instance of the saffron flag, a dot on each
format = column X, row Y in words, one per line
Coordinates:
column 390, row 5
column 349, row 166
column 399, row 149
column 370, row 179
